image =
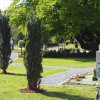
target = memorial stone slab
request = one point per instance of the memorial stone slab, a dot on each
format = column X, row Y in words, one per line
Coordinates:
column 98, row 63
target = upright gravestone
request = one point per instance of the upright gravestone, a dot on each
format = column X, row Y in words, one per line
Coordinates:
column 98, row 74
column 98, row 64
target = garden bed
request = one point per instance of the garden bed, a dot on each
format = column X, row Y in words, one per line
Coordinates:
column 86, row 80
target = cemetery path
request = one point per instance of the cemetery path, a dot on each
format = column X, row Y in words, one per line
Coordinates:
column 59, row 78
column 14, row 56
column 53, row 67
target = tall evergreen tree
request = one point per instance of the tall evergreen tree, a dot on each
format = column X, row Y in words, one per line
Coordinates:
column 32, row 59
column 6, row 47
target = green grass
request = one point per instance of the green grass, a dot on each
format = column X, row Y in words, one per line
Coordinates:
column 10, row 86
column 19, row 60
column 72, row 46
column 22, row 72
column 49, row 71
column 72, row 62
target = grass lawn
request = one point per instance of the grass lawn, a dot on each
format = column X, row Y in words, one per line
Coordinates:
column 72, row 62
column 20, row 71
column 10, row 86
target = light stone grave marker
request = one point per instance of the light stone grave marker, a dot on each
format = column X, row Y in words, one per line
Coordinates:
column 98, row 64
column 98, row 74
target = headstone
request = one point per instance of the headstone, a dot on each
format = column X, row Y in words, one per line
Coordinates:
column 98, row 63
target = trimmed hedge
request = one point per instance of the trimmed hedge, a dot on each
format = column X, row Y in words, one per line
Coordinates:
column 66, row 53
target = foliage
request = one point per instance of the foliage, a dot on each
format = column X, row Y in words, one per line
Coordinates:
column 62, row 19
column 51, row 44
column 14, row 32
column 6, row 46
column 50, row 16
column 71, row 18
column 67, row 53
column 20, row 43
column 94, row 78
column 20, row 14
column 32, row 59
column 20, row 36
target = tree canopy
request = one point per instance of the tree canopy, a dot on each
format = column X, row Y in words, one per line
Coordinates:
column 58, row 17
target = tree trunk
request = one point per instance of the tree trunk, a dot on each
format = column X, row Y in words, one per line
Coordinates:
column 21, row 50
column 4, row 71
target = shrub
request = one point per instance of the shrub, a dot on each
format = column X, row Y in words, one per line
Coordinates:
column 20, row 43
column 20, row 36
column 65, row 53
column 94, row 78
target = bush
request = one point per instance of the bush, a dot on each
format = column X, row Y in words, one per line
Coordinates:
column 20, row 43
column 65, row 53
column 94, row 78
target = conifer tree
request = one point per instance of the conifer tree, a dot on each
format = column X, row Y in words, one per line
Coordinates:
column 6, row 47
column 32, row 59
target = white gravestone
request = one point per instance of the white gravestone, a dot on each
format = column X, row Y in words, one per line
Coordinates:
column 98, row 64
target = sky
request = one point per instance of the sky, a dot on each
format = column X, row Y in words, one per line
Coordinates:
column 4, row 4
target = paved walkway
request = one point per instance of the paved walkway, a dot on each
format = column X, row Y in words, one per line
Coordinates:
column 14, row 56
column 53, row 67
column 59, row 78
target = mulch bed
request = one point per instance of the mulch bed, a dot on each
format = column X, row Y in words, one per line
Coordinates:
column 27, row 90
